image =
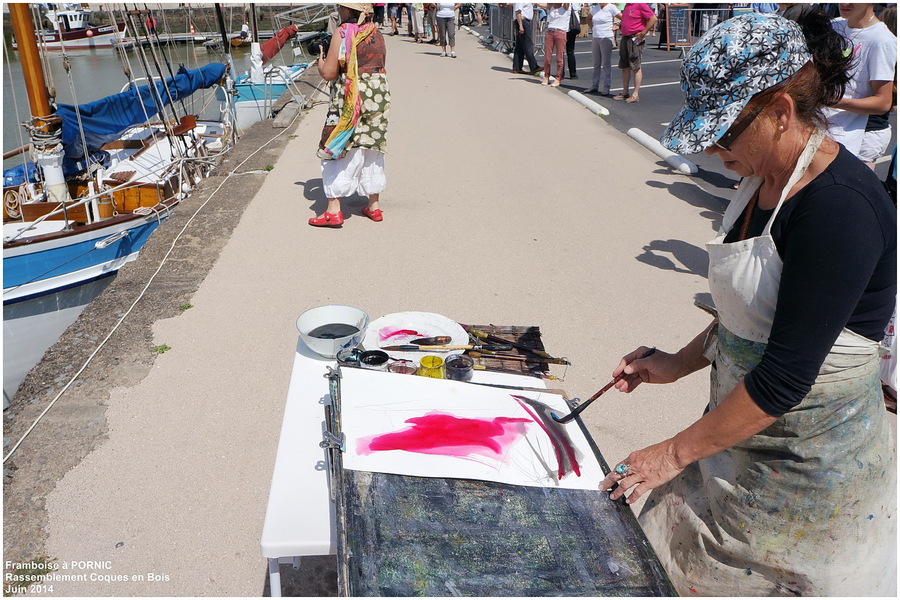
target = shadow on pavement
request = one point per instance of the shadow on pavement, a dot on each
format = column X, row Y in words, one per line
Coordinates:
column 315, row 193
column 694, row 260
column 714, row 179
column 713, row 205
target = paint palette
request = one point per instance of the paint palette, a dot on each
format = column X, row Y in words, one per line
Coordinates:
column 403, row 327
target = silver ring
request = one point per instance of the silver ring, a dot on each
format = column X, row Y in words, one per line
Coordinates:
column 623, row 469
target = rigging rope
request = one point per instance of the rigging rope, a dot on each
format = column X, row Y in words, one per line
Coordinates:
column 87, row 153
column 15, row 101
column 154, row 92
column 36, row 17
column 154, row 47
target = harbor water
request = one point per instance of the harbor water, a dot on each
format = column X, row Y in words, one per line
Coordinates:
column 96, row 73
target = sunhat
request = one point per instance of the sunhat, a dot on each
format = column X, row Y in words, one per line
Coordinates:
column 732, row 62
column 359, row 6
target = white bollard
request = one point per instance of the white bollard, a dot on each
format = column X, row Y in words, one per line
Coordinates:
column 588, row 103
column 677, row 162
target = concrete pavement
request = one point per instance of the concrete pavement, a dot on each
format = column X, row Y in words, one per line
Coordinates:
column 507, row 203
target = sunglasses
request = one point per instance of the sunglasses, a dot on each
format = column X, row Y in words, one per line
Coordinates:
column 738, row 128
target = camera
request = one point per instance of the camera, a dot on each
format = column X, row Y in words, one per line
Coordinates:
column 320, row 42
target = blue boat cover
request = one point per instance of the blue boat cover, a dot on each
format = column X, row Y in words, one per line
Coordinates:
column 105, row 119
column 19, row 174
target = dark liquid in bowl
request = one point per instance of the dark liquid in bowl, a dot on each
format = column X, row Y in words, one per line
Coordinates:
column 333, row 330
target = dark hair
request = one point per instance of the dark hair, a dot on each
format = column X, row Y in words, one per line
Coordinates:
column 889, row 17
column 822, row 82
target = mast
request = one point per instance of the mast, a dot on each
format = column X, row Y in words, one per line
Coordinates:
column 46, row 128
column 226, row 44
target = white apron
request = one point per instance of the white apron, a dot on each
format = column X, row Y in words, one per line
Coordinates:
column 807, row 506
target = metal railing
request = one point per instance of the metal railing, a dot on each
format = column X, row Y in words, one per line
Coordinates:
column 704, row 19
column 501, row 25
column 309, row 14
column 502, row 32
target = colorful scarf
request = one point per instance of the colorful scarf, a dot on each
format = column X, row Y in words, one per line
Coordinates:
column 336, row 144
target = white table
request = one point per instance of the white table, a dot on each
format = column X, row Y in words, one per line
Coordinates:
column 300, row 515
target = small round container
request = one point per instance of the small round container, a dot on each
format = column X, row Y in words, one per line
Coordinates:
column 403, row 367
column 459, row 367
column 349, row 357
column 338, row 319
column 377, row 360
column 431, row 366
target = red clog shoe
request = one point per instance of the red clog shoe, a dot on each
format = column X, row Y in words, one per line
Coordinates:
column 328, row 220
column 375, row 215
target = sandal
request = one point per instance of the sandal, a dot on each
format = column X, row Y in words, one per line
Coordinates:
column 620, row 97
column 328, row 220
column 375, row 215
column 632, row 99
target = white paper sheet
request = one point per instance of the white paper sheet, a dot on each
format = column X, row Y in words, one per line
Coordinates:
column 409, row 425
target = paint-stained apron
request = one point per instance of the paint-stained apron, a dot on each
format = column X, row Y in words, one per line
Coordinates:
column 808, row 505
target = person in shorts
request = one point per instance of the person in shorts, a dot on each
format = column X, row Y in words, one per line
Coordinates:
column 637, row 20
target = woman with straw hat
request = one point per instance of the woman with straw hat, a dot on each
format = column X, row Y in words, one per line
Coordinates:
column 354, row 137
column 787, row 483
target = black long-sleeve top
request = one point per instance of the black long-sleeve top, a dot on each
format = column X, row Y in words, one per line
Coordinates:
column 837, row 238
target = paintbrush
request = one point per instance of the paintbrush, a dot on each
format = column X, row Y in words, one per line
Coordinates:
column 606, row 387
column 439, row 340
column 416, row 348
column 478, row 333
column 519, row 357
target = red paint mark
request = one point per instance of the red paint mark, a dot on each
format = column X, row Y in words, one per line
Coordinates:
column 693, row 590
column 562, row 446
column 446, row 435
column 386, row 333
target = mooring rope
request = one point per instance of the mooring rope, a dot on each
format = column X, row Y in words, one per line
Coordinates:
column 141, row 295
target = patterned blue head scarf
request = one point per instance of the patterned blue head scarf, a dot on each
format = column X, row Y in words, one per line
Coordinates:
column 732, row 62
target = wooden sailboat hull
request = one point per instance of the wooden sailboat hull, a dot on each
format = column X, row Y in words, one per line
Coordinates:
column 57, row 260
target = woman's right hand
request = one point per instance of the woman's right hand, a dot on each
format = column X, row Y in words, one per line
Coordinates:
column 659, row 367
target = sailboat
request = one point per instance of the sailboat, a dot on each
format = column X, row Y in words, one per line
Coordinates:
column 256, row 92
column 104, row 175
column 70, row 25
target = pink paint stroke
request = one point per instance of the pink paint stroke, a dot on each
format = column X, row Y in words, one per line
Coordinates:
column 448, row 435
column 386, row 333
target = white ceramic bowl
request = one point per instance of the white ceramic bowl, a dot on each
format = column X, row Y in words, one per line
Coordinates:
column 324, row 315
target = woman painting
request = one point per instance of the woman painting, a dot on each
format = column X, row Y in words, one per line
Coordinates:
column 787, row 483
column 354, row 136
